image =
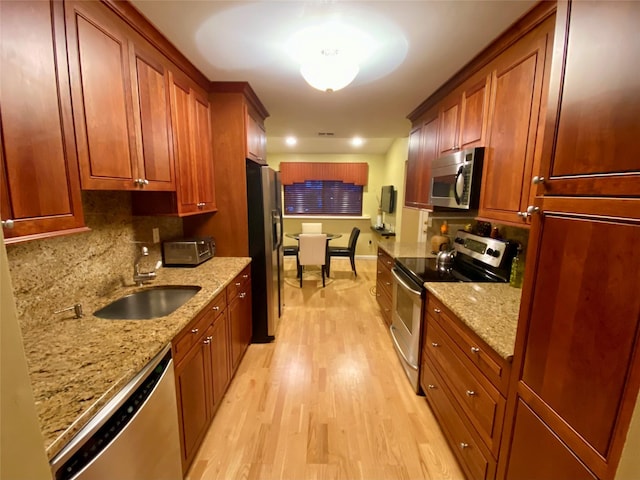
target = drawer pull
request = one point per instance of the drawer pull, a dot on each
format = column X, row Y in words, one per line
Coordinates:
column 464, row 445
column 387, row 283
column 431, row 387
column 242, row 295
column 470, row 393
column 475, row 350
column 245, row 276
column 435, row 344
column 194, row 330
column 238, row 284
column 207, row 341
column 216, row 308
column 437, row 310
column 389, row 263
column 379, row 272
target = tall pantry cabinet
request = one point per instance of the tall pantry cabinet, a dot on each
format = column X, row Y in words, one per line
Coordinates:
column 577, row 370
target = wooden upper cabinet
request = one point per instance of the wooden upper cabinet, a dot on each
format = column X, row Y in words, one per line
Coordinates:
column 120, row 103
column 256, row 137
column 156, row 159
column 40, row 183
column 203, row 152
column 423, row 144
column 463, row 116
column 513, row 145
column 592, row 130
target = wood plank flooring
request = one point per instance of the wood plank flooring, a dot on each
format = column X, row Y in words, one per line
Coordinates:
column 328, row 399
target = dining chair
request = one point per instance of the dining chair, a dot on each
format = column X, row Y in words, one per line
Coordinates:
column 348, row 251
column 312, row 251
column 312, row 228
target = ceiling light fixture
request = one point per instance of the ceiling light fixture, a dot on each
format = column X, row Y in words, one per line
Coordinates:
column 357, row 142
column 291, row 141
column 330, row 55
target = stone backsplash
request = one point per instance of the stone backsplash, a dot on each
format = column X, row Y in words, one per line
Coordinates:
column 55, row 273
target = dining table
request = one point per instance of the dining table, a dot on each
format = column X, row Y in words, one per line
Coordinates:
column 330, row 236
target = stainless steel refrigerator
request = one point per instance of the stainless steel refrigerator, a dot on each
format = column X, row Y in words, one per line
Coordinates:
column 265, row 248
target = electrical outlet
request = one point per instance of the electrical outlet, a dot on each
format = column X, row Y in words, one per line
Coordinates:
column 430, row 222
column 156, row 235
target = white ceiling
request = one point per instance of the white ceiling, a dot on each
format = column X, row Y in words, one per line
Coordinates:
column 420, row 45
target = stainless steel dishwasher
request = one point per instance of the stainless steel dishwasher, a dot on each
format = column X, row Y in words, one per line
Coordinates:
column 134, row 436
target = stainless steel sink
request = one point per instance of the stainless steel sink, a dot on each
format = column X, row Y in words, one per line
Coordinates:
column 150, row 303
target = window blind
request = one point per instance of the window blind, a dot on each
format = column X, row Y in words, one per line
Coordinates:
column 322, row 197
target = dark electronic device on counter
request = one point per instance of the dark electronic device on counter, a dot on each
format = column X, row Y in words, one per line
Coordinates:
column 388, row 199
column 455, row 181
column 187, row 252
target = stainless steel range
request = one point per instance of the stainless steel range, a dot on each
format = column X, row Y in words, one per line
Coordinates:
column 474, row 259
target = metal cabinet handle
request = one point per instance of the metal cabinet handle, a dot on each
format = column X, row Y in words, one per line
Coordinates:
column 194, row 330
column 238, row 284
column 475, row 350
column 245, row 276
column 522, row 214
column 216, row 308
column 531, row 209
column 387, row 283
column 7, row 223
column 242, row 295
column 470, row 393
column 431, row 387
column 145, row 181
column 538, row 180
column 464, row 445
column 437, row 310
column 207, row 341
column 435, row 344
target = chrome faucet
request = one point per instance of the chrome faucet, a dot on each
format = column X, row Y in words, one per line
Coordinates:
column 141, row 277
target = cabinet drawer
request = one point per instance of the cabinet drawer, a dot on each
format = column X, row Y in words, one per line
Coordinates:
column 384, row 300
column 385, row 258
column 239, row 284
column 475, row 460
column 197, row 327
column 476, row 350
column 190, row 335
column 384, row 277
column 479, row 400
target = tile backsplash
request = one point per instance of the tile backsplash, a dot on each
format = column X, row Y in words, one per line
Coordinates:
column 54, row 273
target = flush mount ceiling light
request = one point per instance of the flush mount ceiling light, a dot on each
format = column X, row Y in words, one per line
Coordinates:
column 357, row 142
column 330, row 55
column 291, row 141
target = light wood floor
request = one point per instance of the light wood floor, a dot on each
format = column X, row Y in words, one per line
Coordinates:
column 328, row 399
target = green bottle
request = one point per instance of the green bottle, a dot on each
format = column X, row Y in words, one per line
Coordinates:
column 517, row 270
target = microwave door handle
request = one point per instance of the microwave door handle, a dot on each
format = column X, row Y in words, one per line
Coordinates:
column 455, row 184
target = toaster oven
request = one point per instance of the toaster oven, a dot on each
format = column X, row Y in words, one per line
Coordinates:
column 187, row 252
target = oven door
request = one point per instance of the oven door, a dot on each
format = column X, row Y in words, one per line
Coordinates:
column 406, row 323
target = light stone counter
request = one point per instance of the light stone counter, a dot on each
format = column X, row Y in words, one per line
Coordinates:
column 406, row 249
column 489, row 309
column 77, row 365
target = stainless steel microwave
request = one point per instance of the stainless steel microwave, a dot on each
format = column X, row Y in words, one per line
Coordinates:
column 455, row 181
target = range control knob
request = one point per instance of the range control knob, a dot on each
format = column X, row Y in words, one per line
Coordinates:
column 490, row 251
column 459, row 240
column 495, row 253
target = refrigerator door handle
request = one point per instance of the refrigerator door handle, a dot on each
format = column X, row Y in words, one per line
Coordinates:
column 276, row 225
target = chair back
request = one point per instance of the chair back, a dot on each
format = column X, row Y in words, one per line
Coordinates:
column 313, row 249
column 312, row 228
column 353, row 239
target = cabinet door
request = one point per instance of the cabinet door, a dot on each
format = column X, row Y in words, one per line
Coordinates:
column 516, row 96
column 423, row 144
column 448, row 139
column 591, row 140
column 220, row 360
column 413, row 181
column 473, row 114
column 40, row 183
column 102, row 98
column 583, row 324
column 203, row 157
column 156, row 165
column 256, row 140
column 241, row 325
column 549, row 459
column 193, row 394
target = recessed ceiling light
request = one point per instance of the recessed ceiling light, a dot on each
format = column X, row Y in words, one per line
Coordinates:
column 291, row 141
column 357, row 141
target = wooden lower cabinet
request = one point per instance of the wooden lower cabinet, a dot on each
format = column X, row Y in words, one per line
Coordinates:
column 465, row 383
column 384, row 285
column 193, row 395
column 240, row 318
column 204, row 354
column 537, row 452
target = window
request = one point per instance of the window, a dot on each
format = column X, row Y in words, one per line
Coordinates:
column 322, row 197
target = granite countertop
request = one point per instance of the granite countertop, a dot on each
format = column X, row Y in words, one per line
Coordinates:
column 406, row 249
column 78, row 365
column 489, row 309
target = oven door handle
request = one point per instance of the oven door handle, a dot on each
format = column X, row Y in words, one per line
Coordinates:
column 399, row 349
column 404, row 284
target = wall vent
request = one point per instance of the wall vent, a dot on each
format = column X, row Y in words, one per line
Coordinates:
column 326, row 134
